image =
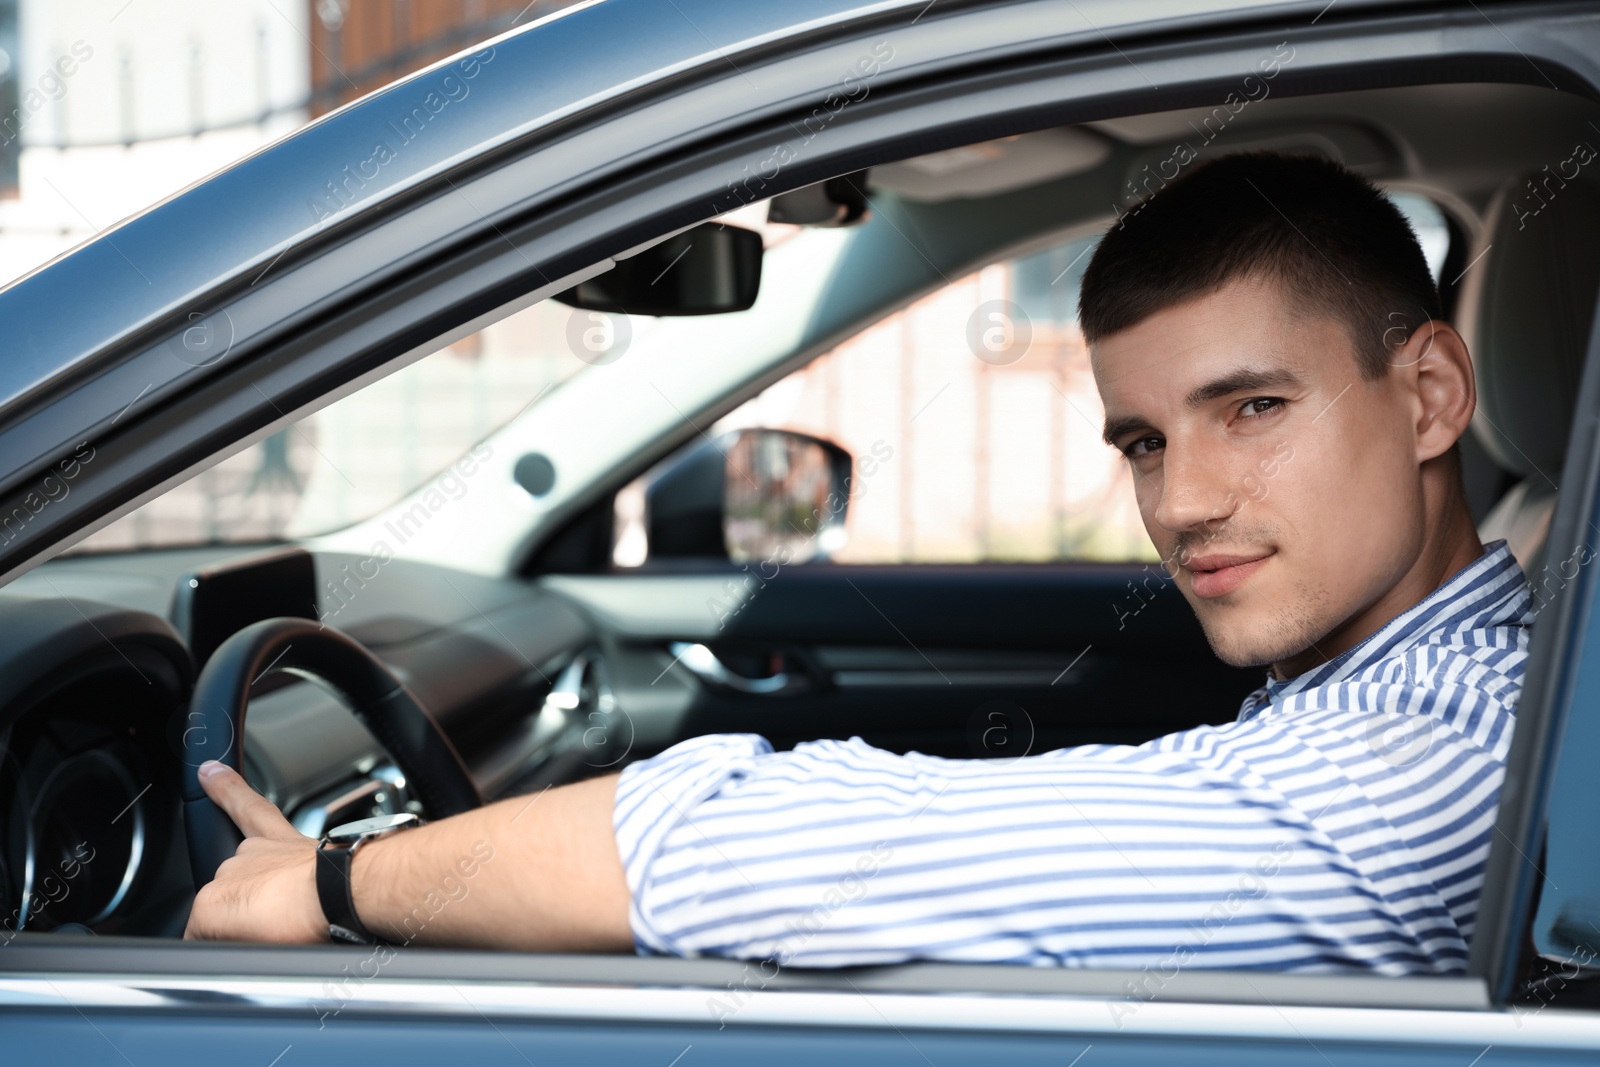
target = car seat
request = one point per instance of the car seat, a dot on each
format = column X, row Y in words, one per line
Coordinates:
column 1526, row 309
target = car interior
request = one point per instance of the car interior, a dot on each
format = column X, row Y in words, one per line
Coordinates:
column 711, row 568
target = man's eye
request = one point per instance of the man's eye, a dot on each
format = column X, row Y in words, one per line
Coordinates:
column 1260, row 406
column 1144, row 446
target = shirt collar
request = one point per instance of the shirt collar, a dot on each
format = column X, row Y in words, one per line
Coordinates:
column 1411, row 627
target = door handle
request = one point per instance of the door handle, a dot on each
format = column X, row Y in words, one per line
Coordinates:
column 704, row 664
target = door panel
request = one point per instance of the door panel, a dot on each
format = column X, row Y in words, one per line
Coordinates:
column 963, row 661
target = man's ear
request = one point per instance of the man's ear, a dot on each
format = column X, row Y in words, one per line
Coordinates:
column 1436, row 361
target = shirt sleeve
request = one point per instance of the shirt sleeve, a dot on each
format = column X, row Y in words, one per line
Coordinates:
column 655, row 797
column 839, row 854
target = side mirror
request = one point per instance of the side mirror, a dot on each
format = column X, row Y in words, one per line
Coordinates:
column 750, row 496
column 708, row 270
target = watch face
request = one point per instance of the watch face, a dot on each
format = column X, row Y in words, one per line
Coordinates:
column 349, row 832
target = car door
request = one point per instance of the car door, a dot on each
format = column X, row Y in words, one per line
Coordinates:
column 368, row 295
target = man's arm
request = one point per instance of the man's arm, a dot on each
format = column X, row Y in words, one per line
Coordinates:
column 532, row 873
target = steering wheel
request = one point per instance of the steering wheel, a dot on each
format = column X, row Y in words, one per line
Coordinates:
column 215, row 728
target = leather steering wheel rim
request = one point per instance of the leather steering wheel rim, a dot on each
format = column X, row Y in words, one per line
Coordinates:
column 215, row 727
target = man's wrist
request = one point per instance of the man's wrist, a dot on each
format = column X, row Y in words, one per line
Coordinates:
column 368, row 878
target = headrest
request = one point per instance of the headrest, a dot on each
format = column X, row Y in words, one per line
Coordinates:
column 1526, row 310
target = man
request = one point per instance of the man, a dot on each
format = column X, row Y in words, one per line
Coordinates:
column 1267, row 340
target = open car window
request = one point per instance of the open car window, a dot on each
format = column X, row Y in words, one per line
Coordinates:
column 937, row 338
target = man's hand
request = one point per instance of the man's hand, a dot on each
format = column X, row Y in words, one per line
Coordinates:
column 539, row 873
column 268, row 890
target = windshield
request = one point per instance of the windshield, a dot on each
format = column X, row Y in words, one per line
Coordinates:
column 365, row 452
column 360, row 454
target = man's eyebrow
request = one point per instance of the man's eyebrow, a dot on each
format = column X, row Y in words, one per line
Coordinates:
column 1239, row 381
column 1123, row 424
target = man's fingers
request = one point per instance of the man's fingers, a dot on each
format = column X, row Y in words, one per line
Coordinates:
column 252, row 813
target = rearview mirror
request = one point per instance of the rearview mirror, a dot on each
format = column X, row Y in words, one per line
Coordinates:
column 751, row 496
column 709, row 270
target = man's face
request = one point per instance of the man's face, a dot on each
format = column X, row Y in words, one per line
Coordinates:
column 1280, row 486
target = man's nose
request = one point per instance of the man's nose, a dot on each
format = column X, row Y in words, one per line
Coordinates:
column 1195, row 491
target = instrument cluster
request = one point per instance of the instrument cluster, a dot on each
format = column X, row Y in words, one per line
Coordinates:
column 88, row 808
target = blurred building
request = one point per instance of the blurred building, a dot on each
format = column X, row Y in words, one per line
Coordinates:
column 109, row 106
column 361, row 45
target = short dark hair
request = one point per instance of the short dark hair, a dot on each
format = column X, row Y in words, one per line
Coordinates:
column 1335, row 242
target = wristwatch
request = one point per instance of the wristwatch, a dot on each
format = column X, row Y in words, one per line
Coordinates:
column 335, row 852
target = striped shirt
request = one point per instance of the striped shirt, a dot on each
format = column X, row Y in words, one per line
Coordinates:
column 1341, row 823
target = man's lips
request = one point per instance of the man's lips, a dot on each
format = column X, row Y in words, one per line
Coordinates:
column 1219, row 574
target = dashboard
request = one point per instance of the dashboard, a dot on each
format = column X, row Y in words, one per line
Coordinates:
column 97, row 663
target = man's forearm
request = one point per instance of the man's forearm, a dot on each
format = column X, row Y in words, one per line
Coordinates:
column 537, row 873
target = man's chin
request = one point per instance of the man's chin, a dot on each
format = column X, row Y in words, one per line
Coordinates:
column 1257, row 647
column 1277, row 622
column 1250, row 658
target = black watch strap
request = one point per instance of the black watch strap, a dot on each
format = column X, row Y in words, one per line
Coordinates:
column 337, row 898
